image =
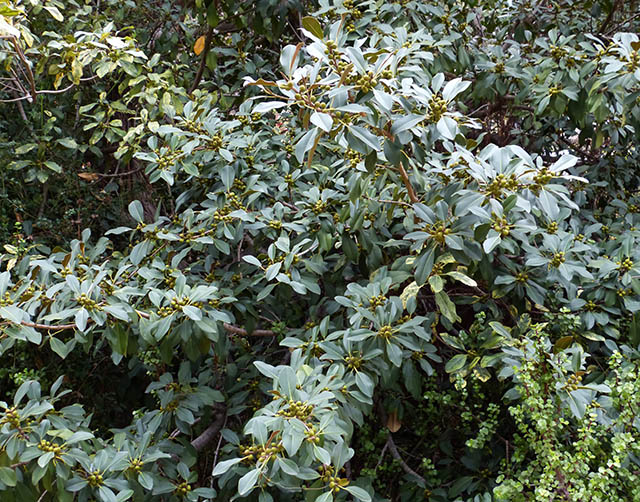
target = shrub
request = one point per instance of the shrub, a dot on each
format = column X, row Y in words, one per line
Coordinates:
column 395, row 257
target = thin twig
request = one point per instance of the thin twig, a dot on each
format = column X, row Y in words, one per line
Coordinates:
column 215, row 456
column 396, row 454
column 407, row 184
column 229, row 327
column 127, row 173
column 35, row 92
column 49, row 327
column 203, row 61
column 381, row 457
column 243, row 332
column 620, row 25
column 385, row 201
column 31, row 79
column 45, row 193
column 616, row 5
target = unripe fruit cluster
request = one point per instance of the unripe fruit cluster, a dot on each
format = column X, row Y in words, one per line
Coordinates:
column 319, row 207
column 438, row 231
column 502, row 226
column 182, row 489
column 500, row 183
column 573, row 382
column 557, row 259
column 6, row 299
column 136, row 465
column 312, row 435
column 437, row 108
column 353, row 362
column 216, row 142
column 95, row 479
column 296, row 409
column 625, row 265
column 168, row 159
column 88, row 303
column 48, row 446
column 385, row 332
column 377, row 301
column 365, row 83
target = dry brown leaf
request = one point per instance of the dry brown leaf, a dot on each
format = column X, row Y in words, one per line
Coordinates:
column 89, row 176
column 393, row 422
column 198, row 47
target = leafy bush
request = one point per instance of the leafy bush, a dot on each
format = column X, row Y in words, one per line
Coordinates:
column 394, row 258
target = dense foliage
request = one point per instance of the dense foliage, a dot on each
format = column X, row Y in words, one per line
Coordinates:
column 314, row 251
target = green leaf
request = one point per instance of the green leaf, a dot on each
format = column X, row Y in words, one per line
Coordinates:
column 136, row 211
column 272, row 270
column 325, row 497
column 192, row 312
column 446, row 306
column 247, row 482
column 437, row 283
column 322, row 455
column 456, row 363
column 366, row 137
column 464, row 279
column 146, row 480
column 500, row 329
column 358, row 493
column 55, row 13
column 12, row 313
column 8, row 476
column 411, row 291
column 364, row 383
column 406, row 123
column 54, row 166
column 68, row 143
column 45, row 458
column 79, row 436
column 213, row 18
column 305, row 144
column 59, row 347
column 322, row 120
column 267, row 106
column 312, row 25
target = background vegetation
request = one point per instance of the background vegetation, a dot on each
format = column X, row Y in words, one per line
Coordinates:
column 319, row 250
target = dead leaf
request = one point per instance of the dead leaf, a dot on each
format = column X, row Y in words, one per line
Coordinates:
column 393, row 423
column 198, row 47
column 89, row 176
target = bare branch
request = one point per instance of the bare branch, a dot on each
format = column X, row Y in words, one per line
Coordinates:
column 396, row 454
column 203, row 61
column 210, row 432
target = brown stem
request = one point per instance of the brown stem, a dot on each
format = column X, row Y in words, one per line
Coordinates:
column 203, row 61
column 609, row 18
column 396, row 454
column 45, row 193
column 243, row 332
column 210, row 432
column 407, row 183
column 32, row 81
column 620, row 25
column 47, row 326
column 229, row 327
